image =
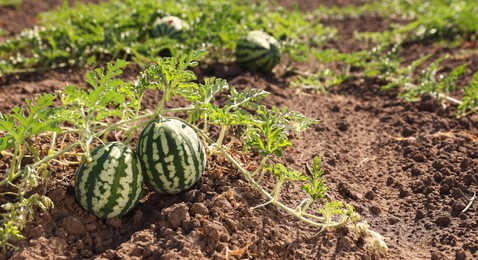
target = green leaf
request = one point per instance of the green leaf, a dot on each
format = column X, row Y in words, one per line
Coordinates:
column 7, row 142
column 470, row 97
column 332, row 208
column 282, row 174
column 315, row 185
column 248, row 98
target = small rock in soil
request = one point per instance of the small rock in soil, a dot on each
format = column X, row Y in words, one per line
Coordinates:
column 393, row 220
column 437, row 256
column 370, row 195
column 199, row 208
column 408, row 132
column 221, row 205
column 346, row 191
column 464, row 164
column 415, row 172
column 419, row 215
column 444, row 188
column 80, row 244
column 59, row 213
column 73, row 225
column 92, row 218
column 419, row 158
column 177, row 214
column 458, row 206
column 38, row 231
column 375, row 210
column 114, row 222
column 390, row 181
column 345, row 244
column 443, row 221
column 404, row 192
column 460, row 255
column 187, row 226
column 61, row 233
column 216, row 233
column 143, row 236
column 90, row 227
column 342, row 126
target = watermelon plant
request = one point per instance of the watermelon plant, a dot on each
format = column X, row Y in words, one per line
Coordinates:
column 85, row 35
column 172, row 155
column 258, row 50
column 112, row 107
column 111, row 183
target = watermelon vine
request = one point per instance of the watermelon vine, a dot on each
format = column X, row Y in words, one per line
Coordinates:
column 113, row 107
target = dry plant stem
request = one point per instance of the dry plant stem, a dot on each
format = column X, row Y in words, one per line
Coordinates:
column 454, row 100
column 469, row 203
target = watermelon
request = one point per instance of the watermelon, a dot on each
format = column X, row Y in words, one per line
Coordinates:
column 259, row 50
column 110, row 184
column 172, row 156
column 170, row 26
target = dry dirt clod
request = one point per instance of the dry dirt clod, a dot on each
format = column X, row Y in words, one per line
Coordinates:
column 114, row 222
column 199, row 208
column 346, row 191
column 443, row 221
column 73, row 226
column 177, row 214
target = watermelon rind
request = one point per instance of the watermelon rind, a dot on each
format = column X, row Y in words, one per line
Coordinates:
column 170, row 26
column 111, row 184
column 258, row 50
column 172, row 156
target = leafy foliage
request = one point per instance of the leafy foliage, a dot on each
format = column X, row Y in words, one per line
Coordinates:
column 470, row 97
column 88, row 34
column 315, row 185
column 11, row 3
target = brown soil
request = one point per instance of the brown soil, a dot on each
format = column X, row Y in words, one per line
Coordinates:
column 408, row 168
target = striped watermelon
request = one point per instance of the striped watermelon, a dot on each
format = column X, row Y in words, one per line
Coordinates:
column 259, row 50
column 170, row 26
column 172, row 155
column 112, row 183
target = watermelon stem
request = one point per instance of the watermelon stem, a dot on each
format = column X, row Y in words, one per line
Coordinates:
column 39, row 163
column 221, row 136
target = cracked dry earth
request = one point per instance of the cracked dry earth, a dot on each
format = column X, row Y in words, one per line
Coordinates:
column 409, row 169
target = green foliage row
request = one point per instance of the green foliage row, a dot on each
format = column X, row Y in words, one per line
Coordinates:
column 444, row 22
column 88, row 34
column 11, row 3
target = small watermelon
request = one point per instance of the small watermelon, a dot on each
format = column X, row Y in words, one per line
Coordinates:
column 172, row 156
column 110, row 184
column 170, row 26
column 259, row 50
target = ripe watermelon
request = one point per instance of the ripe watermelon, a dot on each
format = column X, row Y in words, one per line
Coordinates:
column 170, row 26
column 112, row 183
column 172, row 155
column 259, row 50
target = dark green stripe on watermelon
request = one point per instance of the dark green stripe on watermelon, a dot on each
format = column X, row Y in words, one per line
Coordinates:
column 111, row 184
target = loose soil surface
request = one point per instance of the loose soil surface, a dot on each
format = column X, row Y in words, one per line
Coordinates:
column 408, row 168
